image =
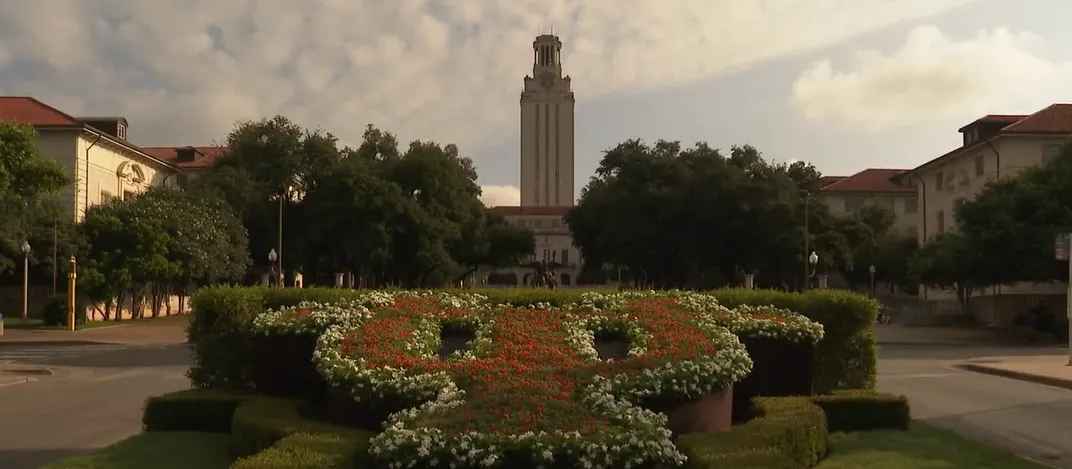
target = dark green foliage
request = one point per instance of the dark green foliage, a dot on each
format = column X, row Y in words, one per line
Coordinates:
column 309, row 451
column 54, row 312
column 790, row 433
column 864, row 410
column 198, row 410
column 260, row 423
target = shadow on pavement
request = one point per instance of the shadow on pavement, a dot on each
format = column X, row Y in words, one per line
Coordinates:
column 129, row 356
column 34, row 459
column 930, row 352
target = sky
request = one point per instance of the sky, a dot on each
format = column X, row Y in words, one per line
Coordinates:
column 843, row 84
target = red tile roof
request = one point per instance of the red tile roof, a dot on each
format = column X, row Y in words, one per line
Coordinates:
column 28, row 110
column 203, row 156
column 871, row 181
column 1055, row 119
column 828, row 180
column 514, row 211
column 995, row 119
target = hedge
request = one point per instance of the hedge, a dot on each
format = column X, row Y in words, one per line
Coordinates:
column 863, row 410
column 199, row 410
column 220, row 327
column 260, row 423
column 788, row 433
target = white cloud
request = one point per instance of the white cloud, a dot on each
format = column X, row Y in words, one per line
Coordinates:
column 183, row 72
column 495, row 196
column 933, row 76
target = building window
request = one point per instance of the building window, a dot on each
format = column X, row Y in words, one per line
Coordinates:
column 911, row 205
column 121, row 131
column 1050, row 152
column 940, row 216
column 939, row 180
column 539, row 223
column 853, row 204
column 565, row 256
column 556, row 223
column 127, row 195
column 980, row 165
column 106, row 197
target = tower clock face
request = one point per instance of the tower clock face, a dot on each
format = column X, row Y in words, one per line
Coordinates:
column 547, row 79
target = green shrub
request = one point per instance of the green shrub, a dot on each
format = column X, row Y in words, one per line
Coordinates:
column 54, row 311
column 789, row 433
column 846, row 358
column 259, row 423
column 309, row 451
column 198, row 410
column 220, row 327
column 863, row 410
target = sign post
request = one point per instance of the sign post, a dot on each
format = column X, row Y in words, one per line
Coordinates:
column 1062, row 248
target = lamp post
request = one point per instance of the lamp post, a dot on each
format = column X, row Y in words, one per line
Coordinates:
column 272, row 257
column 811, row 268
column 871, row 270
column 807, row 236
column 25, row 280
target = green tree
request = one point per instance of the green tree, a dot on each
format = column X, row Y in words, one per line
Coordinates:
column 950, row 262
column 26, row 179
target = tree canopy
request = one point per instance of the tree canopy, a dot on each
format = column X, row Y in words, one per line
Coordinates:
column 408, row 217
column 698, row 217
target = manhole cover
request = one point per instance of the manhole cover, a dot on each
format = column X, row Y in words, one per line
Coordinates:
column 27, row 371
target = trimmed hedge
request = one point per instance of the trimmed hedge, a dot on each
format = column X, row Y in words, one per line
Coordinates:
column 260, row 423
column 863, row 410
column 220, row 327
column 789, row 433
column 199, row 410
column 308, row 451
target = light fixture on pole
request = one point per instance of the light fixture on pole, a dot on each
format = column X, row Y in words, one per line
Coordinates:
column 871, row 270
column 812, row 267
column 25, row 280
column 272, row 257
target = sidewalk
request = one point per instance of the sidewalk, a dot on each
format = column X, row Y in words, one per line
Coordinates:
column 1051, row 370
column 165, row 331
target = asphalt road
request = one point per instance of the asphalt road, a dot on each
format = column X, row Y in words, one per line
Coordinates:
column 95, row 393
column 1028, row 419
column 93, row 397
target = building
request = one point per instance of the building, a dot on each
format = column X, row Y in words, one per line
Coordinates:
column 96, row 153
column 846, row 195
column 547, row 168
column 992, row 146
column 547, row 110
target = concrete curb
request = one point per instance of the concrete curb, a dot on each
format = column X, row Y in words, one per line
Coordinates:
column 937, row 344
column 1017, row 375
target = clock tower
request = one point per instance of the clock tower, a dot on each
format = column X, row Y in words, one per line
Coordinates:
column 547, row 104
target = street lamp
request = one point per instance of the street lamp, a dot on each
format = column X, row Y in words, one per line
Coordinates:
column 25, row 280
column 272, row 257
column 811, row 268
column 871, row 270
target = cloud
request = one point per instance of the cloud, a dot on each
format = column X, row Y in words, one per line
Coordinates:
column 495, row 196
column 932, row 77
column 183, row 72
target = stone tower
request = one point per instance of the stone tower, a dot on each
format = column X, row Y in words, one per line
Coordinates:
column 547, row 104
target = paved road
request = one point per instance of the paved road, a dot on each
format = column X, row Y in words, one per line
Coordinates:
column 1029, row 419
column 93, row 397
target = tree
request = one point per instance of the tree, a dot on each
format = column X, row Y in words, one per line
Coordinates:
column 156, row 241
column 489, row 241
column 26, row 179
column 695, row 218
column 950, row 262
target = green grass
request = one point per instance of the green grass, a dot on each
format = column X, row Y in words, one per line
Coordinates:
column 922, row 447
column 158, row 450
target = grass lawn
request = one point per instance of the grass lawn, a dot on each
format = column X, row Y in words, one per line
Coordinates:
column 158, row 450
column 922, row 447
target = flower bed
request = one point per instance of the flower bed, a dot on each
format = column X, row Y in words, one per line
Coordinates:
column 529, row 389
